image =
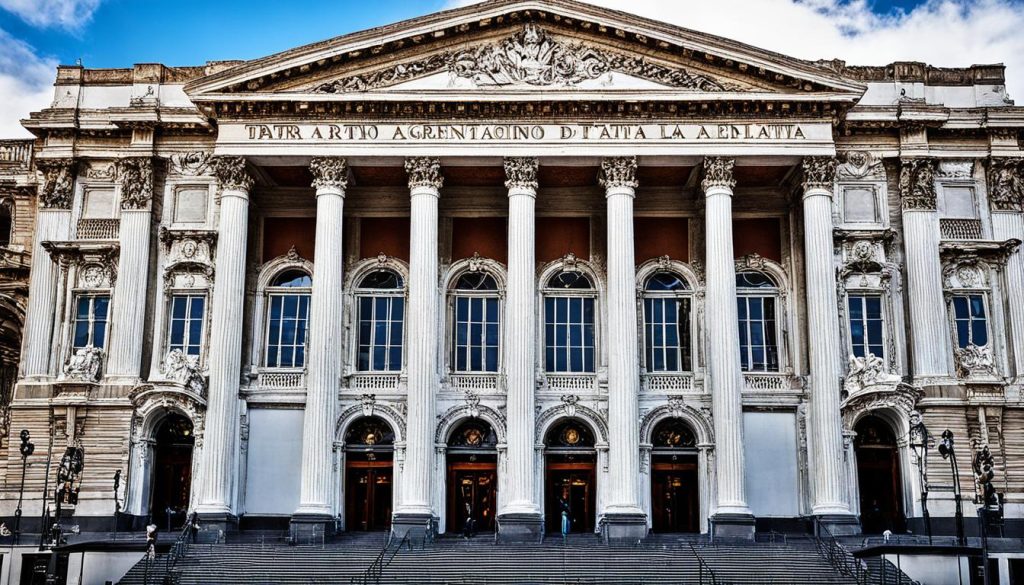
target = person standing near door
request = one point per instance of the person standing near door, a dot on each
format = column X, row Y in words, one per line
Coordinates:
column 468, row 529
column 563, row 505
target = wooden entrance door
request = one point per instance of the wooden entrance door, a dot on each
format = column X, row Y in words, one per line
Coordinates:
column 368, row 487
column 571, row 478
column 472, row 493
column 675, row 502
column 878, row 477
column 172, row 472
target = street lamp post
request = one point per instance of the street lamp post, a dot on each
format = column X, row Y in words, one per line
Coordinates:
column 117, row 501
column 920, row 442
column 27, row 448
column 948, row 451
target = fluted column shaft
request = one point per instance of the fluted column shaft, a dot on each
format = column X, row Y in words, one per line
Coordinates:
column 826, row 428
column 325, row 337
column 619, row 180
column 722, row 318
column 1008, row 224
column 424, row 186
column 220, row 436
column 519, row 350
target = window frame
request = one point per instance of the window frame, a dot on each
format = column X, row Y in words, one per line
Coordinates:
column 359, row 293
column 570, row 264
column 271, row 292
column 884, row 317
column 92, row 295
column 261, row 310
column 496, row 271
column 777, row 295
column 203, row 333
column 689, row 293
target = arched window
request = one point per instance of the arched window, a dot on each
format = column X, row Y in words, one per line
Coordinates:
column 757, row 296
column 287, row 318
column 569, row 434
column 569, row 303
column 477, row 323
column 473, row 434
column 673, row 433
column 380, row 303
column 668, row 338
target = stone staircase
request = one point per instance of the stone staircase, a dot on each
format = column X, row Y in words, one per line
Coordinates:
column 455, row 561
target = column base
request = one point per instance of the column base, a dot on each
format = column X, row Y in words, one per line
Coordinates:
column 739, row 526
column 415, row 526
column 520, row 527
column 311, row 528
column 624, row 528
column 839, row 524
column 214, row 527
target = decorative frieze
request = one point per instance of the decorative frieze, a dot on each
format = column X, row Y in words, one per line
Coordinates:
column 619, row 173
column 819, row 172
column 917, row 184
column 521, row 173
column 424, row 172
column 859, row 165
column 329, row 172
column 58, row 182
column 232, row 174
column 718, row 173
column 135, row 176
column 1005, row 185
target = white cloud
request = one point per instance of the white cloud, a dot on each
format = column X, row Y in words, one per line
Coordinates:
column 944, row 33
column 67, row 14
column 26, row 84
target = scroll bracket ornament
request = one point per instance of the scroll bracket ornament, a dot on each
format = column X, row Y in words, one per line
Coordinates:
column 619, row 173
column 424, row 172
column 521, row 173
column 329, row 172
column 718, row 173
column 232, row 174
column 819, row 173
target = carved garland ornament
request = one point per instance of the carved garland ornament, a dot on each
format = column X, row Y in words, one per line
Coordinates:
column 619, row 173
column 135, row 176
column 861, row 165
column 718, row 173
column 329, row 172
column 190, row 164
column 231, row 173
column 58, row 182
column 521, row 173
column 424, row 172
column 531, row 58
column 1005, row 186
column 917, row 184
column 819, row 172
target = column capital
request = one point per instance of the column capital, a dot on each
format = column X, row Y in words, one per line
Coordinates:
column 135, row 177
column 231, row 173
column 917, row 184
column 521, row 173
column 819, row 173
column 58, row 182
column 424, row 172
column 1006, row 184
column 329, row 172
column 618, row 173
column 718, row 173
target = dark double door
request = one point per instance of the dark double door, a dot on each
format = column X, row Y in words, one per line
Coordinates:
column 880, row 494
column 368, row 489
column 570, row 478
column 472, row 493
column 675, row 502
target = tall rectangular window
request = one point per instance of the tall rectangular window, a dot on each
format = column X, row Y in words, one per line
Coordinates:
column 186, row 330
column 667, row 334
column 569, row 334
column 380, row 333
column 476, row 334
column 971, row 321
column 865, row 312
column 91, row 313
column 759, row 348
column 286, row 334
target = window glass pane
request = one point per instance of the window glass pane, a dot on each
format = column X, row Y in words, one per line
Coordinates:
column 960, row 305
column 81, row 334
column 101, row 304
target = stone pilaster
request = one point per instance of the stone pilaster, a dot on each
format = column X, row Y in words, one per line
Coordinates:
column 930, row 348
column 624, row 518
column 53, row 223
column 520, row 518
column 220, row 439
column 414, row 512
column 128, row 306
column 1006, row 194
column 316, row 511
column 828, row 475
column 732, row 516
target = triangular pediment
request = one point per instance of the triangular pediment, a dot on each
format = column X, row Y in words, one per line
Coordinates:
column 524, row 47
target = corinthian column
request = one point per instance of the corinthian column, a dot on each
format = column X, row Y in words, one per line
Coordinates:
column 1006, row 195
column 128, row 310
column 330, row 178
column 624, row 519
column 218, row 465
column 826, row 428
column 732, row 517
column 930, row 349
column 520, row 519
column 53, row 223
column 414, row 512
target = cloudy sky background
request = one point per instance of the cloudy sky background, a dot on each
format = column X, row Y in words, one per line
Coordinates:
column 36, row 35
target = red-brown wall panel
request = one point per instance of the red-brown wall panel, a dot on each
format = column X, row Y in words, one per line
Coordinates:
column 557, row 236
column 281, row 233
column 487, row 236
column 388, row 235
column 761, row 235
column 655, row 237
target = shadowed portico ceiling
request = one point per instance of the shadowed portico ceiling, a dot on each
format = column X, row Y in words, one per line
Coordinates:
column 525, row 50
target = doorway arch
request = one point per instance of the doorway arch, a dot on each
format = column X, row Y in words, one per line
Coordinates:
column 369, row 474
column 675, row 492
column 472, row 482
column 878, row 476
column 570, row 476
column 173, row 443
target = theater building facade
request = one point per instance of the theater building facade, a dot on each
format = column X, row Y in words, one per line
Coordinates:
column 519, row 261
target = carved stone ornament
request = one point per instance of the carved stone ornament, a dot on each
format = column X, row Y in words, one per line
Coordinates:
column 972, row 361
column 1005, row 185
column 530, row 58
column 677, row 406
column 618, row 173
column 900, row 397
column 231, row 173
column 135, row 175
column 472, row 404
column 190, row 164
column 100, row 171
column 917, row 184
column 521, row 173
column 329, row 172
column 859, row 165
column 424, row 172
column 718, row 173
column 58, row 182
column 569, row 404
column 84, row 365
column 956, row 169
column 819, row 172
column 866, row 372
column 368, row 403
column 184, row 369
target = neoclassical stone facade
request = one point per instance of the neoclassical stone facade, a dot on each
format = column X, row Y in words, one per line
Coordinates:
column 519, row 261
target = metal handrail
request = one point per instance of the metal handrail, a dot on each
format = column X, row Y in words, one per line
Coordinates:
column 178, row 550
column 846, row 564
column 702, row 568
column 375, row 571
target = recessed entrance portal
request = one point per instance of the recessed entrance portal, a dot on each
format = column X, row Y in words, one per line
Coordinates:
column 570, row 478
column 172, row 472
column 675, row 501
column 878, row 473
column 369, row 460
column 472, row 478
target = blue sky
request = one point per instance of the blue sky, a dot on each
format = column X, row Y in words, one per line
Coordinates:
column 36, row 35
